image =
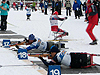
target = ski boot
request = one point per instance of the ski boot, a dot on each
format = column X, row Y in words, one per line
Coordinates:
column 94, row 42
column 4, row 26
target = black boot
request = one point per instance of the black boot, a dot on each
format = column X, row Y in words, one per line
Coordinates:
column 65, row 33
column 94, row 42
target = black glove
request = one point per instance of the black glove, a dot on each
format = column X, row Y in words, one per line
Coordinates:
column 40, row 58
column 19, row 42
column 65, row 17
column 17, row 46
column 26, row 40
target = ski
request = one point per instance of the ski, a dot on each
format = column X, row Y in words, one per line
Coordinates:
column 15, row 65
column 66, row 40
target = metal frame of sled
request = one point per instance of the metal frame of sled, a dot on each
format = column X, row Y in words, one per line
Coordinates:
column 80, row 60
column 55, row 34
column 91, row 60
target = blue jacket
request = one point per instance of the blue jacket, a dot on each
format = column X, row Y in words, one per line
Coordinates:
column 4, row 12
column 45, row 4
column 41, row 5
column 75, row 6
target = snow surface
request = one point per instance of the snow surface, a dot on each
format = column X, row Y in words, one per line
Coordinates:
column 40, row 27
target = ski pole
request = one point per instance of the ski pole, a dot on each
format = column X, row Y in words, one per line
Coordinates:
column 62, row 23
column 49, row 34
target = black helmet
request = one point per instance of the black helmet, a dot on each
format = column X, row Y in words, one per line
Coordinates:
column 54, row 49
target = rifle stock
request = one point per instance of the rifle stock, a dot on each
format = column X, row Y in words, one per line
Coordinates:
column 21, row 43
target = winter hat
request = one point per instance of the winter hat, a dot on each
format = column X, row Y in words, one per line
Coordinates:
column 54, row 49
column 31, row 37
column 55, row 13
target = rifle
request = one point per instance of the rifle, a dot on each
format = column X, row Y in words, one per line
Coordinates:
column 25, row 42
column 19, row 43
column 40, row 55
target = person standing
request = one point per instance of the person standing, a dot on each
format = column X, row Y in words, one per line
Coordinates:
column 92, row 15
column 14, row 5
column 4, row 8
column 53, row 6
column 98, row 8
column 84, row 6
column 17, row 6
column 76, row 9
column 68, row 7
column 33, row 6
column 21, row 4
column 45, row 6
column 41, row 5
column 59, row 7
column 56, row 6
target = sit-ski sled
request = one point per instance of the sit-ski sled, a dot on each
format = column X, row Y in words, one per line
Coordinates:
column 82, row 60
column 78, row 59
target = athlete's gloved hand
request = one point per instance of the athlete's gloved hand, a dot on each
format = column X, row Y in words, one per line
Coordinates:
column 40, row 58
column 19, row 42
column 26, row 40
column 17, row 46
column 65, row 17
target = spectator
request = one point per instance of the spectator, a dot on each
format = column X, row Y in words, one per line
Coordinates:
column 21, row 5
column 76, row 9
column 41, row 5
column 68, row 7
column 33, row 6
column 4, row 8
column 56, row 6
column 84, row 6
column 14, row 5
column 17, row 6
column 81, row 5
column 59, row 7
column 84, row 9
column 45, row 6
column 98, row 9
column 53, row 6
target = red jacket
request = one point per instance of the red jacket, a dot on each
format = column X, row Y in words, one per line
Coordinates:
column 93, row 14
column 14, row 4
